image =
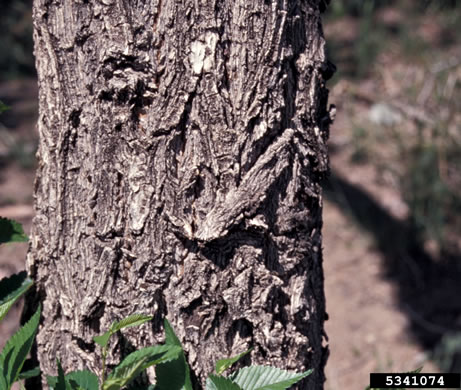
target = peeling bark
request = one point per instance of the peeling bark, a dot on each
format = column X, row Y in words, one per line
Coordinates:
column 181, row 148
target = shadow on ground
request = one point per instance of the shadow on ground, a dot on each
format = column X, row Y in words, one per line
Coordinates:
column 429, row 289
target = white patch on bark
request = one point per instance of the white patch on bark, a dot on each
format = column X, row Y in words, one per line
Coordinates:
column 203, row 53
column 141, row 194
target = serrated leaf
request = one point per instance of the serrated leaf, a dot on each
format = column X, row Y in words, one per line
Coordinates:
column 15, row 352
column 150, row 355
column 132, row 320
column 112, row 384
column 137, row 362
column 223, row 364
column 175, row 374
column 215, row 382
column 266, row 378
column 11, row 289
column 29, row 373
column 11, row 231
column 103, row 339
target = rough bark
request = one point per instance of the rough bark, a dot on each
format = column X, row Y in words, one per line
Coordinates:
column 181, row 148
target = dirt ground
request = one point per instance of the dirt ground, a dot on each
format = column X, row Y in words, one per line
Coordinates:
column 388, row 301
column 368, row 329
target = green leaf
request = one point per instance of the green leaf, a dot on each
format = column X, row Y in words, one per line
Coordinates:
column 215, row 382
column 175, row 374
column 132, row 320
column 137, row 362
column 266, row 378
column 102, row 339
column 15, row 352
column 61, row 383
column 83, row 379
column 29, row 373
column 11, row 231
column 11, row 289
column 51, row 380
column 223, row 364
column 74, row 380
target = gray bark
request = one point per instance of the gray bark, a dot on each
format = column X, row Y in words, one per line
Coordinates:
column 181, row 148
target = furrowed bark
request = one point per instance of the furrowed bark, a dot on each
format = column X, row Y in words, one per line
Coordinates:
column 181, row 148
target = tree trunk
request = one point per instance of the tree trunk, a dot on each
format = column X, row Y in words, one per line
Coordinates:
column 181, row 148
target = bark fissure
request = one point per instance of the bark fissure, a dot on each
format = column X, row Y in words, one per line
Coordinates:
column 181, row 150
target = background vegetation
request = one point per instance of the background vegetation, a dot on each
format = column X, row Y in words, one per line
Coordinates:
column 398, row 91
column 16, row 39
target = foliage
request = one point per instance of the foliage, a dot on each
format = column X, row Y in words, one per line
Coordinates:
column 266, row 378
column 181, row 379
column 223, row 364
column 170, row 362
column 73, row 380
column 14, row 354
column 11, row 289
column 103, row 340
column 11, row 231
column 137, row 362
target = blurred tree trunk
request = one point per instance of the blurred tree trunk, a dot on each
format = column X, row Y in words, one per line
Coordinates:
column 181, row 148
